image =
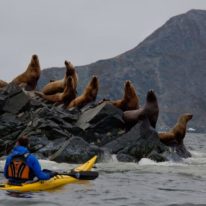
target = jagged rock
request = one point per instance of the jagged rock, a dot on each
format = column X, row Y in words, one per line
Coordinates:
column 10, row 90
column 139, row 142
column 46, row 148
column 125, row 158
column 101, row 119
column 37, row 142
column 182, row 151
column 9, row 124
column 16, row 99
column 75, row 135
column 158, row 157
column 2, row 102
column 76, row 150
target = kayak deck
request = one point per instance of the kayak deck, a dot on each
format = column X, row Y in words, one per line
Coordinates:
column 54, row 182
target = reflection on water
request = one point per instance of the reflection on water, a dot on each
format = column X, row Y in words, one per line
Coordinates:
column 19, row 194
column 147, row 183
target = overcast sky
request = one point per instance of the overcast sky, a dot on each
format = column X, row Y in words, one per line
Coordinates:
column 82, row 31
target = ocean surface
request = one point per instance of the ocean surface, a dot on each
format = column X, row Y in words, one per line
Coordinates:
column 121, row 184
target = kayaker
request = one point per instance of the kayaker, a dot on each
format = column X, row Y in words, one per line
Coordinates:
column 22, row 166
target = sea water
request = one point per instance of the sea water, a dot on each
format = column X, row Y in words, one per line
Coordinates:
column 120, row 184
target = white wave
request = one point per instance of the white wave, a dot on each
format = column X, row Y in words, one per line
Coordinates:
column 197, row 154
column 146, row 161
column 2, row 163
column 47, row 164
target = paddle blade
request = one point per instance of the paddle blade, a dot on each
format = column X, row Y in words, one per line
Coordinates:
column 84, row 175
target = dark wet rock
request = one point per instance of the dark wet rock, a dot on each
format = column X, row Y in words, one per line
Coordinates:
column 139, row 142
column 76, row 150
column 50, row 148
column 10, row 90
column 102, row 118
column 159, row 157
column 125, row 158
column 9, row 126
column 2, row 102
column 182, row 151
column 16, row 100
column 37, row 142
column 8, row 118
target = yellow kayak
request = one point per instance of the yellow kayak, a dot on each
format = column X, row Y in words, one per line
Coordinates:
column 52, row 183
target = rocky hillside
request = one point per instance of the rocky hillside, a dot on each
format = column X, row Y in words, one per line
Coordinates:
column 172, row 61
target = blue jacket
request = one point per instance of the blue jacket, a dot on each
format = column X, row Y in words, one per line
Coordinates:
column 31, row 161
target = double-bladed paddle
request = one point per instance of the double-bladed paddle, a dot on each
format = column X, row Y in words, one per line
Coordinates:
column 80, row 175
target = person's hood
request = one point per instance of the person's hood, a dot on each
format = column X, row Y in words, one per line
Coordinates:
column 19, row 150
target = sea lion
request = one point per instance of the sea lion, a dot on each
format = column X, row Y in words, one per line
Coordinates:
column 3, row 83
column 89, row 94
column 149, row 110
column 58, row 86
column 176, row 135
column 65, row 97
column 130, row 100
column 30, row 77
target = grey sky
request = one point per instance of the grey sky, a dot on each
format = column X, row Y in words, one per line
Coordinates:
column 82, row 31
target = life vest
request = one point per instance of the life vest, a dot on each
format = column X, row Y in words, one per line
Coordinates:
column 18, row 169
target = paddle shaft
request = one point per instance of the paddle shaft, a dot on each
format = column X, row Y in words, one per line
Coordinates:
column 81, row 175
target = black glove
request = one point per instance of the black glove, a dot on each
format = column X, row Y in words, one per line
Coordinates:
column 51, row 173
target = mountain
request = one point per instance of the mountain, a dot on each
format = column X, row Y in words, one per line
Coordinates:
column 171, row 61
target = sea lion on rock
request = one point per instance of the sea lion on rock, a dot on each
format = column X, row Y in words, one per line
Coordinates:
column 30, row 77
column 3, row 83
column 130, row 100
column 89, row 94
column 57, row 86
column 149, row 110
column 65, row 97
column 176, row 135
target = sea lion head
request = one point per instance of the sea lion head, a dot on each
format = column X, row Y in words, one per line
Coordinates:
column 94, row 81
column 151, row 97
column 127, row 84
column 69, row 68
column 185, row 117
column 130, row 99
column 34, row 61
column 127, row 89
column 151, row 101
column 34, row 57
column 93, row 87
column 151, row 108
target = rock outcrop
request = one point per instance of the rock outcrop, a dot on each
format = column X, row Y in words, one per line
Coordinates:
column 75, row 135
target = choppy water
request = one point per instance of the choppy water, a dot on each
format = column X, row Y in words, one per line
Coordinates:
column 144, row 184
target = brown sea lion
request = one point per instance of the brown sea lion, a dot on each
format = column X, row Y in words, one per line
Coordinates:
column 150, row 110
column 130, row 100
column 89, row 94
column 3, row 83
column 58, row 86
column 65, row 97
column 30, row 77
column 177, row 133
